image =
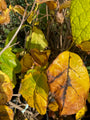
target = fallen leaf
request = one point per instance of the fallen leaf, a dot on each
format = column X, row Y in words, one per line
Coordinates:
column 69, row 82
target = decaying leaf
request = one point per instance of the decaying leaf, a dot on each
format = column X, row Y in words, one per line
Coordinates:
column 26, row 63
column 6, row 113
column 85, row 46
column 81, row 113
column 3, row 5
column 19, row 9
column 4, row 16
column 69, row 82
column 40, row 57
column 35, row 90
column 6, row 89
column 38, row 40
column 52, row 5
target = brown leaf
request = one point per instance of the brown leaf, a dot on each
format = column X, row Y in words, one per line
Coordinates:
column 4, row 17
column 3, row 5
column 69, row 82
column 6, row 113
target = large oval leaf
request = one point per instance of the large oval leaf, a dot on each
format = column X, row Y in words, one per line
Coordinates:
column 80, row 21
column 69, row 82
column 38, row 39
column 35, row 90
column 9, row 64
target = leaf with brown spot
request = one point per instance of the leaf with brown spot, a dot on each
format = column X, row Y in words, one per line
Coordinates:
column 69, row 82
column 34, row 89
column 40, row 57
column 26, row 62
column 6, row 113
column 6, row 89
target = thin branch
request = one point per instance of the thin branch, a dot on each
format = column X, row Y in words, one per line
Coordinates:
column 19, row 108
column 8, row 45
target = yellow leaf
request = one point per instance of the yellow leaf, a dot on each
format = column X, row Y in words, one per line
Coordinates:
column 3, row 5
column 6, row 89
column 19, row 9
column 4, row 17
column 52, row 5
column 40, row 57
column 30, row 18
column 6, row 113
column 38, row 40
column 69, row 81
column 53, row 106
column 26, row 63
column 34, row 89
column 81, row 113
column 85, row 46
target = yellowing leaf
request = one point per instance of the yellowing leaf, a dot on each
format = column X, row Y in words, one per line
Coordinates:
column 10, row 65
column 19, row 9
column 40, row 57
column 80, row 23
column 52, row 5
column 6, row 90
column 88, row 99
column 3, row 5
column 4, row 17
column 6, row 113
column 26, row 63
column 53, row 106
column 81, row 113
column 69, row 82
column 30, row 18
column 38, row 40
column 85, row 46
column 35, row 90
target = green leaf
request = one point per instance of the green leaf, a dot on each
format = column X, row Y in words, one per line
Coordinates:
column 38, row 39
column 80, row 20
column 11, row 34
column 35, row 90
column 9, row 64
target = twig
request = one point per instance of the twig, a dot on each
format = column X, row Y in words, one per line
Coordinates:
column 8, row 45
column 19, row 108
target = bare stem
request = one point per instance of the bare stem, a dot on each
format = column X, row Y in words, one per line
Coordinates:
column 8, row 45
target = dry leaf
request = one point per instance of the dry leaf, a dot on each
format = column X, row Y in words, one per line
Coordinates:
column 69, row 82
column 6, row 113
